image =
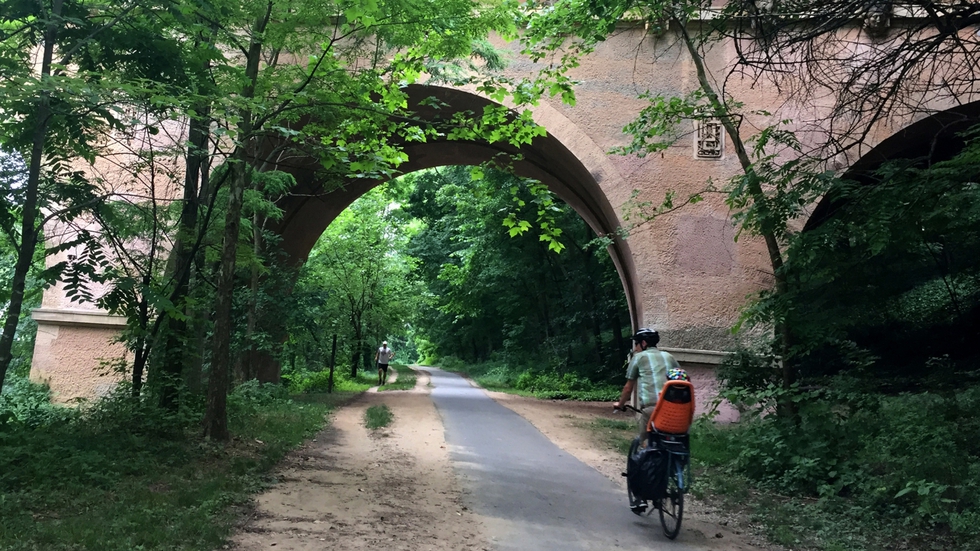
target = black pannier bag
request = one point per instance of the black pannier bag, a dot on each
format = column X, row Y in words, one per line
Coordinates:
column 646, row 474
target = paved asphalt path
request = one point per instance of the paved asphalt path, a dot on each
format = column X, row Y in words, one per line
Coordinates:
column 535, row 496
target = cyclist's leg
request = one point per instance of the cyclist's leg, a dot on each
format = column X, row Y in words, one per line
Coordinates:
column 641, row 423
column 638, row 506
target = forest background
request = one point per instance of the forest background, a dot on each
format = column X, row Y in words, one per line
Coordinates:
column 860, row 396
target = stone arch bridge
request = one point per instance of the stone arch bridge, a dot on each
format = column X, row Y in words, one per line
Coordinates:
column 683, row 274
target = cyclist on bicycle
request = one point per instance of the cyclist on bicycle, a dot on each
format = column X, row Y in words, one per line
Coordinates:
column 647, row 371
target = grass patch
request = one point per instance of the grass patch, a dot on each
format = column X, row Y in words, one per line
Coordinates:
column 121, row 475
column 378, row 416
column 616, row 434
column 406, row 379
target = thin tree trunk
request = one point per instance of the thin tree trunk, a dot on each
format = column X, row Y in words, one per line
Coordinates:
column 28, row 231
column 196, row 190
column 142, row 345
column 333, row 363
column 618, row 335
column 216, row 416
column 184, row 250
column 193, row 373
column 754, row 186
column 358, row 344
column 249, row 367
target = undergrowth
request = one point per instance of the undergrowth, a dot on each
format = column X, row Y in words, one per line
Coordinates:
column 121, row 474
column 405, row 381
column 319, row 381
column 855, row 471
column 545, row 383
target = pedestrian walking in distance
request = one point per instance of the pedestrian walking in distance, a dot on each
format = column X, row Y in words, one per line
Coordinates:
column 382, row 357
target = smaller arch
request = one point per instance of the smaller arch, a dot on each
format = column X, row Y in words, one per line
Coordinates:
column 936, row 137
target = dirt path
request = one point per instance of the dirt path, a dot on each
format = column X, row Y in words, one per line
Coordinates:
column 354, row 489
column 395, row 489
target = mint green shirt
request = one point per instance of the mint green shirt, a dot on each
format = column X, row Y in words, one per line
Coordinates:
column 650, row 367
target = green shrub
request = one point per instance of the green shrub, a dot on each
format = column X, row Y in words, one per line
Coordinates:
column 311, row 381
column 498, row 377
column 911, row 458
column 450, row 363
column 120, row 474
column 251, row 396
column 560, row 386
column 28, row 403
column 749, row 369
column 304, row 382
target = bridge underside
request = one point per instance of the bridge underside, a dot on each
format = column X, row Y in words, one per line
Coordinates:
column 316, row 203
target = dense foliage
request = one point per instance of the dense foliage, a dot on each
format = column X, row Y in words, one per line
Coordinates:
column 430, row 263
column 512, row 299
column 354, row 287
column 894, row 274
column 904, row 467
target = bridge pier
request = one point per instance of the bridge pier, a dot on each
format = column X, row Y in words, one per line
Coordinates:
column 74, row 352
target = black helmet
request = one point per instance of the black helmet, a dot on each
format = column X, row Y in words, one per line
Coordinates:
column 649, row 335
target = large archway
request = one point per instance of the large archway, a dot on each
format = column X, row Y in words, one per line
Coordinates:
column 892, row 251
column 565, row 160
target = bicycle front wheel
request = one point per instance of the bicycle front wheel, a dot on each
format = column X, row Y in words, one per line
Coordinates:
column 672, row 507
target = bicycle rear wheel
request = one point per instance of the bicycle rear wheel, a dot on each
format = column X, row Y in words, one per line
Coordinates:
column 672, row 506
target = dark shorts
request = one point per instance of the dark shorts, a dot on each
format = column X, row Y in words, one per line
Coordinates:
column 383, row 366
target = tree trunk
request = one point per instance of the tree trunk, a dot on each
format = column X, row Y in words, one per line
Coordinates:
column 185, row 248
column 355, row 361
column 596, row 326
column 216, row 416
column 28, row 231
column 618, row 336
column 333, row 358
column 358, row 343
column 786, row 408
column 142, row 345
column 250, row 366
column 194, row 367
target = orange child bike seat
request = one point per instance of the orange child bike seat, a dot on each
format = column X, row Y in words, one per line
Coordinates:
column 675, row 408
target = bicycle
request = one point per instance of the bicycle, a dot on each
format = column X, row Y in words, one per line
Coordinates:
column 677, row 455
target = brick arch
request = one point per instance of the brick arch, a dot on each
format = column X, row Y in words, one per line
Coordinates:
column 566, row 160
